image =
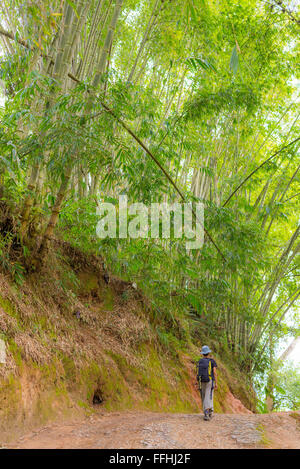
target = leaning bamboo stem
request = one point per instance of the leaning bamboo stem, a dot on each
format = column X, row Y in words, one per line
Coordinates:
column 48, row 234
column 258, row 168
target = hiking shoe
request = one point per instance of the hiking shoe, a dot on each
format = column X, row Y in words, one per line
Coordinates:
column 206, row 416
column 210, row 413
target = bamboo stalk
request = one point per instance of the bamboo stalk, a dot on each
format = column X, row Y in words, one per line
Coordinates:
column 107, row 43
column 55, row 213
column 145, row 38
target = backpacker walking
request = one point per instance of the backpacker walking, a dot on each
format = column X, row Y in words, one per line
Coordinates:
column 207, row 381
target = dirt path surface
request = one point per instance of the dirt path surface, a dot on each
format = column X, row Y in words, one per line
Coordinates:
column 132, row 430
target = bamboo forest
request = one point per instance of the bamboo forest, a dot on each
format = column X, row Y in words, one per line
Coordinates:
column 158, row 103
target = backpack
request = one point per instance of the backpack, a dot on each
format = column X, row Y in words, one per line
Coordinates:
column 204, row 370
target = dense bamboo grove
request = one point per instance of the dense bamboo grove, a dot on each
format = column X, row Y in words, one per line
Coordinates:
column 161, row 100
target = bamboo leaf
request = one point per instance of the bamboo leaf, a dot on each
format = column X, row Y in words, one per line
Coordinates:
column 196, row 62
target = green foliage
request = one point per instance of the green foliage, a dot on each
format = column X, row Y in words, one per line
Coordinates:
column 235, row 97
column 287, row 388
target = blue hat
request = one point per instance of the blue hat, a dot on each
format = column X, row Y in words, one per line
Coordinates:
column 205, row 350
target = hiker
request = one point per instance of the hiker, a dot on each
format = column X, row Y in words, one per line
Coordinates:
column 207, row 381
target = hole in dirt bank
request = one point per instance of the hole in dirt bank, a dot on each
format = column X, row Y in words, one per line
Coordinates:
column 97, row 397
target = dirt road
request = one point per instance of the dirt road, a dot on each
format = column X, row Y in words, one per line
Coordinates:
column 168, row 431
